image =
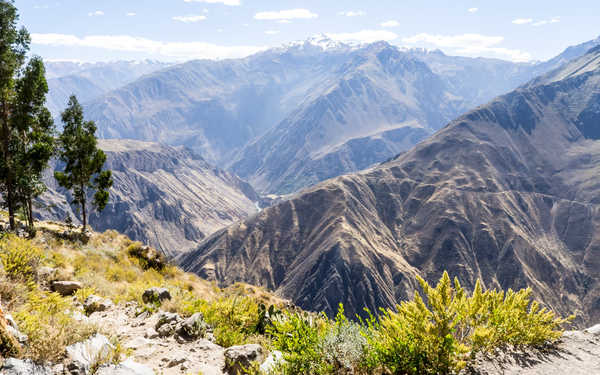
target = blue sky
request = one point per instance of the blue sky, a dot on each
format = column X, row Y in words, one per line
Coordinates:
column 175, row 30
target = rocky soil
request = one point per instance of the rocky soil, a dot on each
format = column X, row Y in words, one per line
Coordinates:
column 150, row 343
column 578, row 353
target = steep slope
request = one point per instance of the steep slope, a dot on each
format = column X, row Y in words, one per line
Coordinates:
column 378, row 90
column 91, row 80
column 508, row 193
column 164, row 196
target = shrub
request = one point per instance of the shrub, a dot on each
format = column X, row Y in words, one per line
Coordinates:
column 9, row 347
column 19, row 258
column 146, row 256
column 440, row 334
column 235, row 319
column 298, row 336
column 343, row 346
column 45, row 318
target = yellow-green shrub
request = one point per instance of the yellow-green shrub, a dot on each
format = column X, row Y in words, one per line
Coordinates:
column 45, row 318
column 19, row 257
column 234, row 318
column 439, row 334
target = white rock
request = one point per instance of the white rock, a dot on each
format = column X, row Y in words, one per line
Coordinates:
column 13, row 366
column 268, row 366
column 595, row 330
column 82, row 355
column 129, row 367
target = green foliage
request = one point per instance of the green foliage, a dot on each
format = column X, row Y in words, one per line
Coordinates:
column 20, row 258
column 26, row 126
column 83, row 160
column 440, row 334
column 46, row 320
column 298, row 336
column 235, row 318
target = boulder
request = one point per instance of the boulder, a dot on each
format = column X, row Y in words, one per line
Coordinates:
column 94, row 304
column 128, row 367
column 192, row 328
column 595, row 330
column 13, row 366
column 65, row 288
column 240, row 358
column 156, row 295
column 82, row 355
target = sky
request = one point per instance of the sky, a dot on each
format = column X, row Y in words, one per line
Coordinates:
column 179, row 30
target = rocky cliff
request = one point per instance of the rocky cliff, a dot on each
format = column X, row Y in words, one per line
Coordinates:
column 165, row 196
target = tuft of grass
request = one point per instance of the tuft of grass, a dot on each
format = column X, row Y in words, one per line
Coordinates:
column 20, row 258
column 47, row 321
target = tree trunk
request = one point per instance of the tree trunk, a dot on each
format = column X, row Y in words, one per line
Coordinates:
column 30, row 212
column 83, row 211
column 10, row 199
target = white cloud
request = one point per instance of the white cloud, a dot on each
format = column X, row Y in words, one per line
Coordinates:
column 272, row 32
column 522, row 21
column 472, row 10
column 284, row 21
column 96, row 13
column 352, row 13
column 470, row 45
column 131, row 14
column 189, row 19
column 128, row 43
column 224, row 2
column 390, row 23
column 545, row 22
column 364, row 36
column 288, row 14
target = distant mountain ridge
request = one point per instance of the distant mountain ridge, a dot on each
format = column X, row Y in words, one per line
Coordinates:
column 91, row 80
column 294, row 115
column 508, row 193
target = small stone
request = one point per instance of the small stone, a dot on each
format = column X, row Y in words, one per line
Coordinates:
column 66, row 288
column 151, row 333
column 238, row 358
column 176, row 361
column 156, row 295
column 94, row 304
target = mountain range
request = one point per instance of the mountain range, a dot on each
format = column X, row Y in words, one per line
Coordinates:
column 507, row 192
column 292, row 116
